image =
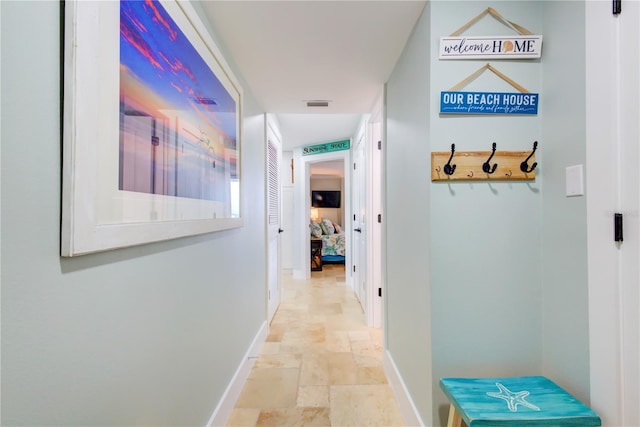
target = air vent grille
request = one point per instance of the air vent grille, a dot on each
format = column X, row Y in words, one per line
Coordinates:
column 317, row 103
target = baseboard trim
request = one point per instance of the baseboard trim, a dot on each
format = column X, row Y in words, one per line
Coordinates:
column 230, row 396
column 405, row 403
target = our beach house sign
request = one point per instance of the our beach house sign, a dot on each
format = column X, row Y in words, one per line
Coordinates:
column 526, row 45
column 523, row 102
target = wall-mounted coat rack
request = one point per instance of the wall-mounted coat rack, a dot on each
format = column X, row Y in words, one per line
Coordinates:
column 491, row 165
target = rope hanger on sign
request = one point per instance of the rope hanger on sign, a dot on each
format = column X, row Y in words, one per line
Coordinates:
column 481, row 70
column 491, row 11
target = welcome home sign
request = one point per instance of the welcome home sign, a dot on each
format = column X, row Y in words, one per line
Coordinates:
column 484, row 47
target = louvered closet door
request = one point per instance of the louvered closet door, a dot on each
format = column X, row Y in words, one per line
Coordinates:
column 273, row 222
column 273, row 197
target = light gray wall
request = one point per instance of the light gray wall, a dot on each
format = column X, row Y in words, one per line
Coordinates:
column 486, row 237
column 564, row 250
column 147, row 335
column 407, row 217
column 497, row 270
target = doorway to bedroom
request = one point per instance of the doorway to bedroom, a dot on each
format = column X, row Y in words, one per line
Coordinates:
column 331, row 179
column 358, row 213
column 327, row 214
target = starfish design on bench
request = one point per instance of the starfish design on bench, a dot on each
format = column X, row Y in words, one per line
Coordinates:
column 512, row 399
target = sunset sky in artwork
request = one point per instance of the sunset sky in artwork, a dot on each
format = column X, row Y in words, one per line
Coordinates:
column 157, row 53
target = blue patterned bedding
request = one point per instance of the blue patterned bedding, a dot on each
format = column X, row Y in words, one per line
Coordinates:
column 333, row 244
column 333, row 241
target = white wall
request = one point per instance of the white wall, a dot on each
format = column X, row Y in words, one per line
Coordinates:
column 145, row 335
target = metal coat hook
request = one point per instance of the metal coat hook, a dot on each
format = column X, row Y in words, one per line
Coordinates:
column 524, row 166
column 486, row 167
column 449, row 169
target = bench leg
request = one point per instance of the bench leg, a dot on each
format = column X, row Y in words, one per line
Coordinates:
column 454, row 417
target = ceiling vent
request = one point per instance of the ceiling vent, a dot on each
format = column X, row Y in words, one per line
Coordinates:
column 318, row 103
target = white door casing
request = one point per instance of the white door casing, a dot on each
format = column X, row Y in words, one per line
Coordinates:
column 302, row 207
column 358, row 220
column 374, row 219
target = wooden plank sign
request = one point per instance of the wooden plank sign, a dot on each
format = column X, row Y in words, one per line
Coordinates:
column 326, row 148
column 454, row 102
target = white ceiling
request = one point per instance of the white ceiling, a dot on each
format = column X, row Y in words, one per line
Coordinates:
column 290, row 52
column 330, row 168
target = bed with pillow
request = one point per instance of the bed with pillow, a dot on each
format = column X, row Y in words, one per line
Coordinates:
column 333, row 242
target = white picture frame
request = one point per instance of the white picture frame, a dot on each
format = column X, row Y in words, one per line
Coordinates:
column 188, row 180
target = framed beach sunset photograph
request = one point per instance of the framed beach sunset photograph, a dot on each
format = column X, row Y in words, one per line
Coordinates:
column 152, row 120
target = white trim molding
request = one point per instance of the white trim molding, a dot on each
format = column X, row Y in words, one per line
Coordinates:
column 405, row 403
column 230, row 396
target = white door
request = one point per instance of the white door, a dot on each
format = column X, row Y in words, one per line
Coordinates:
column 359, row 244
column 613, row 185
column 629, row 206
column 273, row 221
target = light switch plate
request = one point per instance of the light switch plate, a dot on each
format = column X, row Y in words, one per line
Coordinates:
column 574, row 181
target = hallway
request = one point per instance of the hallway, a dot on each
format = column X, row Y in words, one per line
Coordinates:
column 321, row 365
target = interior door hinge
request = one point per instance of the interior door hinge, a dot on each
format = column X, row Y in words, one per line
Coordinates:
column 617, row 227
column 354, row 268
column 617, row 7
column 379, row 292
column 380, row 218
column 379, row 145
column 354, row 166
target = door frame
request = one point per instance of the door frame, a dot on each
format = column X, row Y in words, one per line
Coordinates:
column 302, row 209
column 374, row 180
column 360, row 196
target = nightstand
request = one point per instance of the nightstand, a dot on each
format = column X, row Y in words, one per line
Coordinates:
column 316, row 254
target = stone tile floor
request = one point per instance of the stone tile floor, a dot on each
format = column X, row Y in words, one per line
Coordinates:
column 321, row 365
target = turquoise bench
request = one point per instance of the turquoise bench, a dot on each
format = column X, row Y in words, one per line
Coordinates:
column 513, row 401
